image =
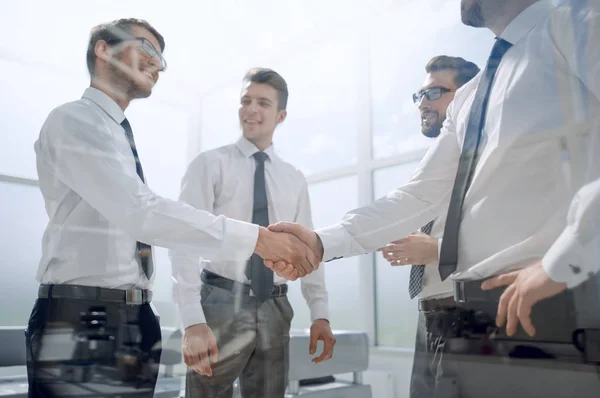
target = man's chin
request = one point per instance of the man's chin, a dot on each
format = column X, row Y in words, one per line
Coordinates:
column 142, row 92
column 431, row 131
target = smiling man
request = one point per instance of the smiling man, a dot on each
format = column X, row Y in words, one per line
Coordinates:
column 445, row 75
column 236, row 313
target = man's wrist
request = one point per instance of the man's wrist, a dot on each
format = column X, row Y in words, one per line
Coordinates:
column 260, row 241
column 319, row 247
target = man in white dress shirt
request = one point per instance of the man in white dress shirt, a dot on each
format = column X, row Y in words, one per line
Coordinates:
column 238, row 311
column 508, row 178
column 444, row 76
column 96, row 269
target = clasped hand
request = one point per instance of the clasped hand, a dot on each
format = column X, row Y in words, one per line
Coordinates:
column 290, row 250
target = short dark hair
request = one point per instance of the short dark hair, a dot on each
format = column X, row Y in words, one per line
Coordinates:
column 464, row 69
column 116, row 31
column 271, row 78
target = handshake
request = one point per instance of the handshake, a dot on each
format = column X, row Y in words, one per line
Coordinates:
column 290, row 250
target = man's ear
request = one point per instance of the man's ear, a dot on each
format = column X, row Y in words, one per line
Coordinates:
column 281, row 116
column 103, row 50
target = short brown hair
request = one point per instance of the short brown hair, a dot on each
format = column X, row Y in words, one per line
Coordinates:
column 464, row 69
column 271, row 78
column 116, row 31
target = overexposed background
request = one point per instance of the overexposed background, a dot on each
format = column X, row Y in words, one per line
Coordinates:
column 351, row 67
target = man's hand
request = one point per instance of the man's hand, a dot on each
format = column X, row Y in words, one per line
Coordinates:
column 290, row 269
column 200, row 345
column 320, row 330
column 526, row 287
column 287, row 247
column 283, row 269
column 416, row 248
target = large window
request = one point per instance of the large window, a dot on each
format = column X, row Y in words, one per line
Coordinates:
column 28, row 95
column 399, row 53
column 330, row 201
column 351, row 70
column 23, row 220
column 396, row 314
column 320, row 131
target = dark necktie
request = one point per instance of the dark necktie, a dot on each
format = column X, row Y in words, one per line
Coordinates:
column 415, row 282
column 261, row 277
column 144, row 251
column 468, row 159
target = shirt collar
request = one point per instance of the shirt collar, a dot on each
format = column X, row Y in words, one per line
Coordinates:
column 526, row 21
column 248, row 148
column 107, row 104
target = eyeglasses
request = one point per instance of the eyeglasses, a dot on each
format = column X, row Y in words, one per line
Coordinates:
column 432, row 94
column 148, row 48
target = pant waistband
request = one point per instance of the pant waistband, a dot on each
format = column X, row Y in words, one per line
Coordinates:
column 130, row 297
column 436, row 304
column 469, row 292
column 219, row 281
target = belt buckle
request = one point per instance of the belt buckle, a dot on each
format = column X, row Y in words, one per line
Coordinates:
column 133, row 297
column 459, row 292
column 279, row 290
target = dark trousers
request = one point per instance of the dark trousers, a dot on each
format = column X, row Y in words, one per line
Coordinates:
column 79, row 348
column 459, row 355
column 253, row 341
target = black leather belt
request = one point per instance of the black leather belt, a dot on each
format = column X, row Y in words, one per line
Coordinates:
column 130, row 297
column 469, row 292
column 436, row 304
column 219, row 281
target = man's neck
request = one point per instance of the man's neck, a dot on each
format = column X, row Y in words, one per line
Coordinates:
column 511, row 10
column 262, row 143
column 112, row 91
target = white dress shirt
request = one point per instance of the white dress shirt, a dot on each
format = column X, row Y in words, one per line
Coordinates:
column 543, row 106
column 98, row 207
column 221, row 181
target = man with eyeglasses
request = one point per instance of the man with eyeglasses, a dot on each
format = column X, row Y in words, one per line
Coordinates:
column 92, row 328
column 444, row 76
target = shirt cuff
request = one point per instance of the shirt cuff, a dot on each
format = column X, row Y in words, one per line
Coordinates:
column 439, row 248
column 319, row 310
column 191, row 315
column 240, row 240
column 336, row 242
column 563, row 261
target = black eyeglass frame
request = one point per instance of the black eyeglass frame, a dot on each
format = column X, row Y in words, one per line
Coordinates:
column 147, row 46
column 432, row 94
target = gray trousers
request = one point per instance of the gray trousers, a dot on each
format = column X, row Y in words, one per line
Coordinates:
column 253, row 341
column 448, row 365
